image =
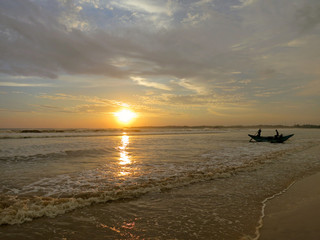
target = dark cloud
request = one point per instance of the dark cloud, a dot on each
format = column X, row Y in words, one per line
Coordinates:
column 39, row 39
column 35, row 43
column 308, row 16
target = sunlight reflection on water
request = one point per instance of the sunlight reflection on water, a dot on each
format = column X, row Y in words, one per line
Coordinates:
column 124, row 158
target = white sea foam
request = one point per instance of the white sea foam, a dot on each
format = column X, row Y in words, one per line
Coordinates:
column 64, row 193
column 264, row 203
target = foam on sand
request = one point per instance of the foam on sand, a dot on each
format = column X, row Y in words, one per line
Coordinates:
column 295, row 214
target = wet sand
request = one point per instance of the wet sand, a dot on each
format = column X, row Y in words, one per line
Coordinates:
column 295, row 214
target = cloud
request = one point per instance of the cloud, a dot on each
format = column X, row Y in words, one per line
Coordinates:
column 68, row 103
column 213, row 47
column 78, row 108
column 83, row 98
column 191, row 86
column 310, row 89
column 35, row 43
column 141, row 5
column 195, row 100
column 308, row 16
column 243, row 3
column 70, row 16
column 92, row 108
column 144, row 82
column 49, row 45
column 14, row 84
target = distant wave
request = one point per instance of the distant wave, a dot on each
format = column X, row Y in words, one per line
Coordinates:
column 58, row 133
column 66, row 153
column 49, row 130
column 61, row 133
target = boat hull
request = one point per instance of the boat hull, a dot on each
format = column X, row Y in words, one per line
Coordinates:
column 272, row 139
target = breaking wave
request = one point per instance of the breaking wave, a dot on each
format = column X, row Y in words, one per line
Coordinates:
column 67, row 133
column 51, row 197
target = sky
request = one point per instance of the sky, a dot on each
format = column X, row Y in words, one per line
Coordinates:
column 70, row 64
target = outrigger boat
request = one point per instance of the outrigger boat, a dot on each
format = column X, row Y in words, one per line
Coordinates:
column 272, row 139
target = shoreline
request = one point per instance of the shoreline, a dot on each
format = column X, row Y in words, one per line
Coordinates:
column 294, row 213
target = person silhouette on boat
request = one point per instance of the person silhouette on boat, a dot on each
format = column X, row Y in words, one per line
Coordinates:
column 277, row 134
column 259, row 132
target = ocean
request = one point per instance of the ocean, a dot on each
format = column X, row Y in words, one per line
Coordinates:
column 145, row 183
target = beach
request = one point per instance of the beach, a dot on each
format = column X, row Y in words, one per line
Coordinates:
column 147, row 183
column 295, row 214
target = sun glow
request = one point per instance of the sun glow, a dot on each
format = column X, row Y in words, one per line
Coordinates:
column 125, row 115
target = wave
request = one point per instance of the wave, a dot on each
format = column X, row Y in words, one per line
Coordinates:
column 71, row 130
column 95, row 188
column 17, row 210
column 58, row 133
column 56, row 155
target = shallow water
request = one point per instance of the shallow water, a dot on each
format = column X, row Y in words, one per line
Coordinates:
column 145, row 184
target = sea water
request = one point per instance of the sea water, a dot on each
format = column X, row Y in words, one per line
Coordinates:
column 145, row 183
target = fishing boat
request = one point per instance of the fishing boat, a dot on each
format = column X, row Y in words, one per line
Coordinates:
column 272, row 139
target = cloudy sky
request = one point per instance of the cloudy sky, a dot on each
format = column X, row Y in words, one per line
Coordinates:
column 174, row 62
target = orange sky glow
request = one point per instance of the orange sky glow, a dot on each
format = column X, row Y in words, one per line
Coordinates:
column 188, row 63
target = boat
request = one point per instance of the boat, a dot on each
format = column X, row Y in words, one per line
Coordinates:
column 272, row 139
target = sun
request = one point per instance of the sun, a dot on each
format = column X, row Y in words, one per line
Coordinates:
column 125, row 115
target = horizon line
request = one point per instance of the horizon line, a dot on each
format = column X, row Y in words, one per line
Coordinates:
column 186, row 126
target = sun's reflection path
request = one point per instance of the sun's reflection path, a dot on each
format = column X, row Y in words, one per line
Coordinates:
column 124, row 158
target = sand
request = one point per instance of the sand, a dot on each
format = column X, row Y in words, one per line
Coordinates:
column 294, row 215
